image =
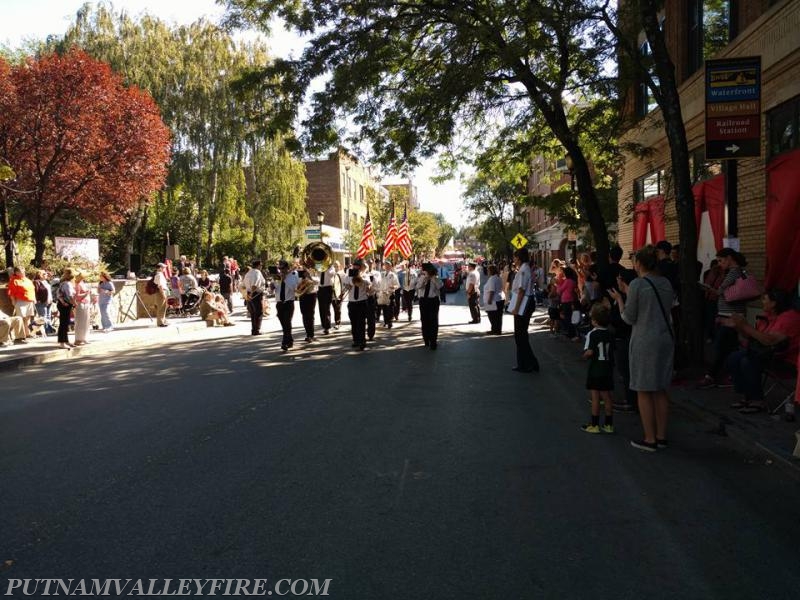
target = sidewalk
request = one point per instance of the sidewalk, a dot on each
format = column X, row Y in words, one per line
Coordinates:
column 767, row 435
column 40, row 350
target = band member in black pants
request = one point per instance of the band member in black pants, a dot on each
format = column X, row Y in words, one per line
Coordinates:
column 409, row 286
column 358, row 288
column 325, row 297
column 428, row 286
column 474, row 293
column 521, row 306
column 284, row 302
column 254, row 285
column 307, row 294
column 373, row 310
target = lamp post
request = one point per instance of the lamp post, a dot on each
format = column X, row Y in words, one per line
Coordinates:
column 320, row 221
column 518, row 219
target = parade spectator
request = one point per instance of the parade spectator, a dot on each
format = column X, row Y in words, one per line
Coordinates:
column 599, row 350
column 493, row 301
column 83, row 306
column 622, row 338
column 607, row 276
column 187, row 282
column 11, row 330
column 65, row 301
column 23, row 295
column 226, row 288
column 157, row 297
column 651, row 352
column 204, row 281
column 44, row 299
column 522, row 305
column 105, row 294
column 567, row 286
column 725, row 336
column 712, row 279
column 774, row 341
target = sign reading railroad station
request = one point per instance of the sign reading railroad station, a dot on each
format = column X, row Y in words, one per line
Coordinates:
column 733, row 108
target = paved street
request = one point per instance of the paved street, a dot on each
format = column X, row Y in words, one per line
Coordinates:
column 397, row 473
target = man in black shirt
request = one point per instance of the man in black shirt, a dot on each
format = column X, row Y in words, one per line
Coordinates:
column 226, row 288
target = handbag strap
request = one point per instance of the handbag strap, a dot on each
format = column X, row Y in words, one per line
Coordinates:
column 661, row 306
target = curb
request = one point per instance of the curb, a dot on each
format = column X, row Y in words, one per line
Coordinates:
column 16, row 363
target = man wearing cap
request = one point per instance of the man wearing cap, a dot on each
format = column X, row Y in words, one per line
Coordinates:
column 386, row 288
column 285, row 290
column 428, row 286
column 159, row 299
column 254, row 285
column 357, row 287
column 473, row 292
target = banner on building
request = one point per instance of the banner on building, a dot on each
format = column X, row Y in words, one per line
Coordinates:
column 86, row 248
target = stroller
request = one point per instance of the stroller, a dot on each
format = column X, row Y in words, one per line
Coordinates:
column 186, row 306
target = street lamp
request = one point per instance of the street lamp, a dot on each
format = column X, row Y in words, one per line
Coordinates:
column 518, row 219
column 320, row 221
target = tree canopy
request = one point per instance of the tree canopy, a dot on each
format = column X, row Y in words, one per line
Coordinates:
column 78, row 140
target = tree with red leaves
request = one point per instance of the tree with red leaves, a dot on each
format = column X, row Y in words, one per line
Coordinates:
column 78, row 140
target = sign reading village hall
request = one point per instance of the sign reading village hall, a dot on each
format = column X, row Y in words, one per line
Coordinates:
column 733, row 108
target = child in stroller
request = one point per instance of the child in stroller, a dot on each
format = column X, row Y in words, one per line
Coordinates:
column 183, row 307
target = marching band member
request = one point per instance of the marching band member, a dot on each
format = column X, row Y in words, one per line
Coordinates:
column 285, row 289
column 408, row 286
column 386, row 288
column 338, row 294
column 254, row 285
column 325, row 296
column 428, row 286
column 358, row 288
column 307, row 287
column 372, row 301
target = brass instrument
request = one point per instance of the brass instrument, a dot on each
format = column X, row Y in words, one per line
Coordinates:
column 317, row 256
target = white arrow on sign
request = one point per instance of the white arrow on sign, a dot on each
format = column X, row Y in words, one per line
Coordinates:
column 733, row 148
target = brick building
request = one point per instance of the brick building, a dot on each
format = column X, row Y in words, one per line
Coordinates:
column 338, row 187
column 697, row 30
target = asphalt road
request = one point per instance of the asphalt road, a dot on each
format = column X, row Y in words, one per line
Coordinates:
column 396, row 473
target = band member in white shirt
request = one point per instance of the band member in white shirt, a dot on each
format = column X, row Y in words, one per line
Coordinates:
column 386, row 289
column 357, row 287
column 325, row 296
column 338, row 294
column 409, row 286
column 306, row 292
column 428, row 286
column 521, row 306
column 285, row 288
column 474, row 292
column 373, row 309
column 254, row 285
column 493, row 300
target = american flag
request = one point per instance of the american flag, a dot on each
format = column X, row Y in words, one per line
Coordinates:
column 403, row 236
column 390, row 245
column 367, row 244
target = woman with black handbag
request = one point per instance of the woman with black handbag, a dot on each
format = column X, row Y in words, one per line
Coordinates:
column 651, row 350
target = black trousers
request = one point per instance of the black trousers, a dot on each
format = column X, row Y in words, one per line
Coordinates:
column 285, row 312
column 623, row 364
column 256, row 309
column 308, row 303
column 398, row 294
column 372, row 314
column 63, row 323
column 408, row 302
column 496, row 318
column 337, row 311
column 429, row 319
column 474, row 309
column 325, row 298
column 526, row 359
column 357, row 312
column 388, row 311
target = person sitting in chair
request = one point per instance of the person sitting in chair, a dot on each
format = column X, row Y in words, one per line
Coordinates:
column 774, row 341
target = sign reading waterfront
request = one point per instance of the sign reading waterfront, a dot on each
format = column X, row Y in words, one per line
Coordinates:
column 733, row 108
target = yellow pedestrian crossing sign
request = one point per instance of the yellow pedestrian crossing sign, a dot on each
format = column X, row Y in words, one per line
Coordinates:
column 519, row 241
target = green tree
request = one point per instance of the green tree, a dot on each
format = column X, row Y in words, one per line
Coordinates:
column 411, row 74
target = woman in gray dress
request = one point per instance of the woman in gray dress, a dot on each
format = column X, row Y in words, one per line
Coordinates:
column 651, row 347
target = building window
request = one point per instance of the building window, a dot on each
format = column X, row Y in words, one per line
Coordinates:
column 783, row 127
column 647, row 186
column 645, row 101
column 710, row 29
column 346, row 219
column 344, row 185
column 701, row 168
column 361, row 193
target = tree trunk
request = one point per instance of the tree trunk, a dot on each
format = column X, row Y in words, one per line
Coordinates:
column 690, row 336
column 39, row 236
column 212, row 214
column 8, row 239
column 132, row 229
